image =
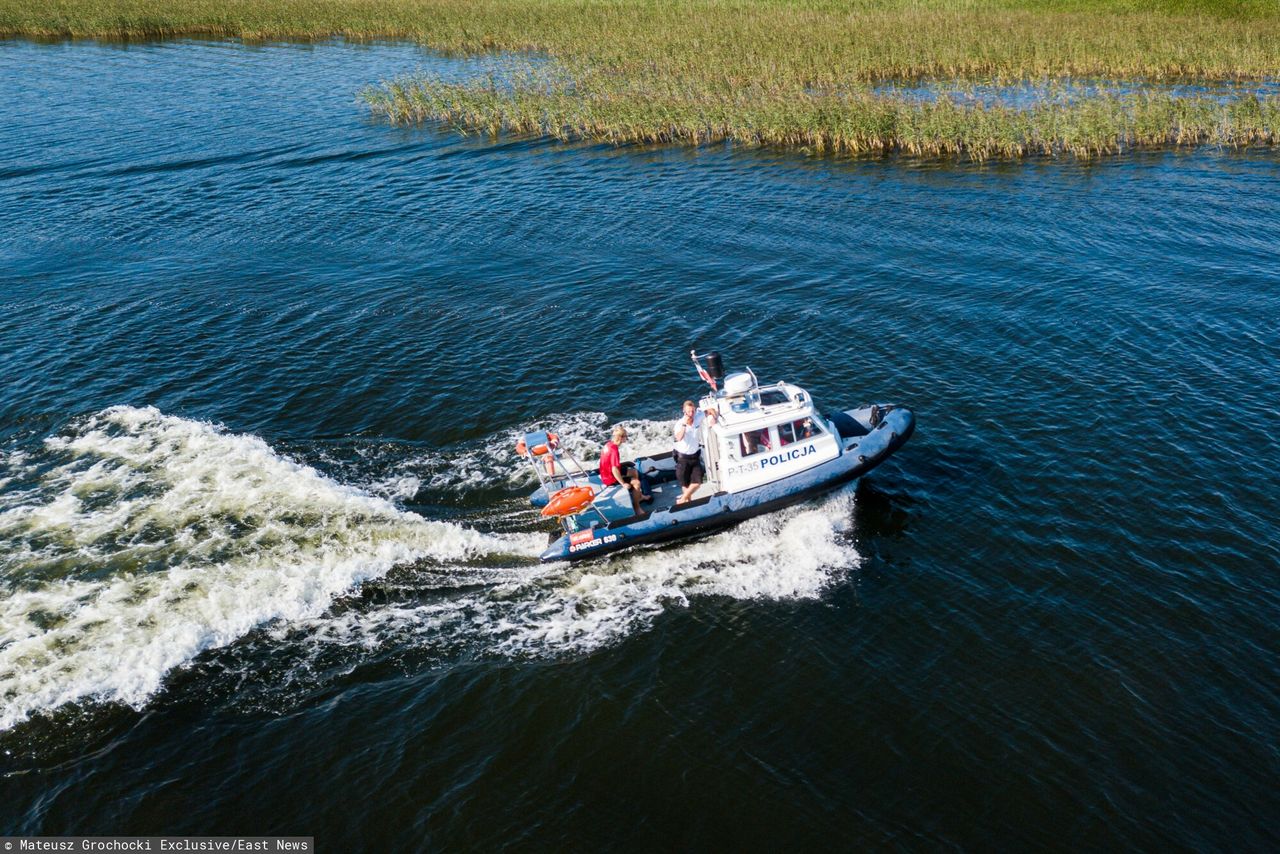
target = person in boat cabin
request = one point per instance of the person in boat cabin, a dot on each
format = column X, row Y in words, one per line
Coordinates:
column 796, row 431
column 755, row 442
column 613, row 472
column 688, row 450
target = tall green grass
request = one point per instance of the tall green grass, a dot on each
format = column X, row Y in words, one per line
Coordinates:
column 857, row 124
column 779, row 72
column 771, row 43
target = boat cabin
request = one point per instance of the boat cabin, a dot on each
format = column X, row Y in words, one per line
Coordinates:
column 761, row 434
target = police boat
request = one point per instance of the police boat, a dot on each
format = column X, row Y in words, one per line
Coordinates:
column 767, row 447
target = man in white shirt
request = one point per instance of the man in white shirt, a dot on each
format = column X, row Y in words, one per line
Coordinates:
column 688, row 450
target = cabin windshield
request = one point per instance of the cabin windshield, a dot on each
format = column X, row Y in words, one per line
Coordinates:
column 773, row 397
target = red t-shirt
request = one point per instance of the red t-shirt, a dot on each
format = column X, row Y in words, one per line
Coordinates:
column 608, row 460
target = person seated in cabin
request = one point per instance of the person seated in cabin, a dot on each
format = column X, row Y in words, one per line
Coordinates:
column 755, row 442
column 687, row 449
column 614, row 472
column 795, row 431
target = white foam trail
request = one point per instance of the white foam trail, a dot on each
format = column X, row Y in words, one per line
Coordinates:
column 794, row 554
column 147, row 539
column 156, row 538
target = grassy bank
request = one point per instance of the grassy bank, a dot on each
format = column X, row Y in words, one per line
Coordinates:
column 774, row 42
column 782, row 72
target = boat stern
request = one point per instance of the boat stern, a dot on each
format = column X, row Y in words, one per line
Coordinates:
column 572, row 546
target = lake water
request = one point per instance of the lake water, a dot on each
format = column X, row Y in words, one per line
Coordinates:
column 266, row 565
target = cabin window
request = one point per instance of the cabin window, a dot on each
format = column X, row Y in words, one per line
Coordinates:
column 754, row 442
column 798, row 431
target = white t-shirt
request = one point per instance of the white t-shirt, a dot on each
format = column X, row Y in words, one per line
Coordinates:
column 689, row 444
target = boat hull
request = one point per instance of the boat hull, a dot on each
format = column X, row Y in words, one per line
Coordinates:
column 861, row 454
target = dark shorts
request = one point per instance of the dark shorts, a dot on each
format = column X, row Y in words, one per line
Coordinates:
column 688, row 468
column 628, row 471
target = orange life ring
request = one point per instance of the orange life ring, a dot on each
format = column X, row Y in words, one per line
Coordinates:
column 570, row 500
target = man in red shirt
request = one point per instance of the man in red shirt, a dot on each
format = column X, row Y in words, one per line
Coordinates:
column 613, row 473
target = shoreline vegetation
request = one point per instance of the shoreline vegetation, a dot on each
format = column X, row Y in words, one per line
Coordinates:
column 797, row 74
column 866, row 124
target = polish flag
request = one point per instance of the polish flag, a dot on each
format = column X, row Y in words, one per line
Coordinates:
column 706, row 377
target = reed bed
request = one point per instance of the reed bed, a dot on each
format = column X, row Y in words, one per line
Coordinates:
column 859, row 124
column 793, row 73
column 784, row 44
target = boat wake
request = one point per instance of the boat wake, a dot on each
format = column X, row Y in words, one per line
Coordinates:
column 135, row 541
column 564, row 610
column 138, row 540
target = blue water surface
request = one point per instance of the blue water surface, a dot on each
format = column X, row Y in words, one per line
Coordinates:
column 234, row 306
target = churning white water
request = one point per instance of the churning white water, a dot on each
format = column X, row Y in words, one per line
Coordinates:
column 136, row 540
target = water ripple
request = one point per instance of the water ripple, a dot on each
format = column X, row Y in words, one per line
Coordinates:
column 1052, row 617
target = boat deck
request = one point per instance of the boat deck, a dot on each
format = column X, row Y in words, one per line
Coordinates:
column 615, row 503
column 665, row 495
